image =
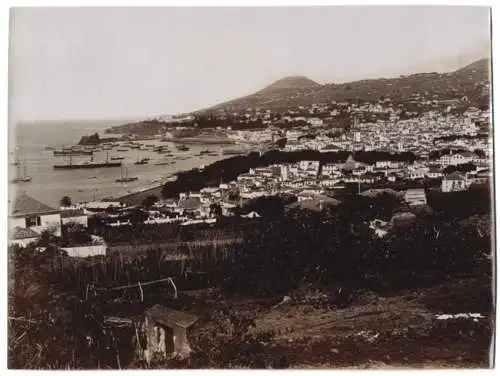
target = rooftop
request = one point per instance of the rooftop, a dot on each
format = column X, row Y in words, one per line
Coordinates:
column 454, row 176
column 171, row 317
column 23, row 233
column 26, row 205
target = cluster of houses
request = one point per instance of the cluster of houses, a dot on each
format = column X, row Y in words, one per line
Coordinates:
column 30, row 217
column 309, row 181
column 419, row 135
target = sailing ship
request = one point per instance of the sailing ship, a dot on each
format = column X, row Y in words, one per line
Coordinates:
column 125, row 178
column 142, row 161
column 15, row 162
column 24, row 178
column 72, row 151
column 91, row 164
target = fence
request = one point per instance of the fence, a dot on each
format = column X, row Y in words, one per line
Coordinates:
column 86, row 251
column 171, row 246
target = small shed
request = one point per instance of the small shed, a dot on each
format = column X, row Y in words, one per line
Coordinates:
column 166, row 332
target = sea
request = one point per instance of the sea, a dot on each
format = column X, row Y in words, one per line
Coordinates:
column 28, row 143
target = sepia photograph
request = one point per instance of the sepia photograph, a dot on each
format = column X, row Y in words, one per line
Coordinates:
column 305, row 187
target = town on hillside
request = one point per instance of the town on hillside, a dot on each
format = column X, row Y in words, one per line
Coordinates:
column 339, row 225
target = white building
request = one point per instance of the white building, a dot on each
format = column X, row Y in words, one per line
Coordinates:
column 28, row 213
column 357, row 136
column 315, row 122
column 455, row 182
column 23, row 236
column 415, row 197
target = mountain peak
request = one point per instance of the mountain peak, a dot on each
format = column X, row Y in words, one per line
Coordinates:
column 291, row 82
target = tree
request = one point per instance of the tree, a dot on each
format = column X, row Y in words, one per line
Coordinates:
column 76, row 234
column 149, row 201
column 216, row 210
column 65, row 201
column 480, row 153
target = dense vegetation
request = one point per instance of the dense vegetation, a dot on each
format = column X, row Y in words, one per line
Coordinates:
column 337, row 246
column 56, row 323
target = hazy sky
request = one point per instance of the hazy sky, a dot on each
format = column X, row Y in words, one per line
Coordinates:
column 120, row 62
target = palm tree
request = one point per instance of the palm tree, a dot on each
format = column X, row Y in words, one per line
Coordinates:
column 65, row 201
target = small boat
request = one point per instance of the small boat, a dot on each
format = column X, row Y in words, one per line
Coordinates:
column 182, row 148
column 117, row 158
column 125, row 178
column 122, row 149
column 162, row 163
column 21, row 178
column 142, row 161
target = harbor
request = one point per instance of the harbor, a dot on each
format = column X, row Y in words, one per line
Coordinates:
column 35, row 159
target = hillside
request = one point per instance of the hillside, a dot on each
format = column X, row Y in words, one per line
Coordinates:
column 291, row 83
column 290, row 92
column 467, row 81
column 480, row 67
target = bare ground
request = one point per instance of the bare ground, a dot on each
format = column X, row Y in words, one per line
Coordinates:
column 376, row 331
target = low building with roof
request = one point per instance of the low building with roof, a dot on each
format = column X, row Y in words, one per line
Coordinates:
column 455, row 182
column 29, row 213
column 166, row 332
column 415, row 197
column 23, row 236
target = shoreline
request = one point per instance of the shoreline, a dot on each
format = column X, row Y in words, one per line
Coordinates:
column 141, row 192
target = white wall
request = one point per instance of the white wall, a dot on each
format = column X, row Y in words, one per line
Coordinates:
column 50, row 221
column 23, row 242
column 93, row 250
column 47, row 221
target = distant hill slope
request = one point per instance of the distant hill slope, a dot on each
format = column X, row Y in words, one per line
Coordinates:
column 481, row 67
column 291, row 83
column 298, row 90
column 293, row 91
